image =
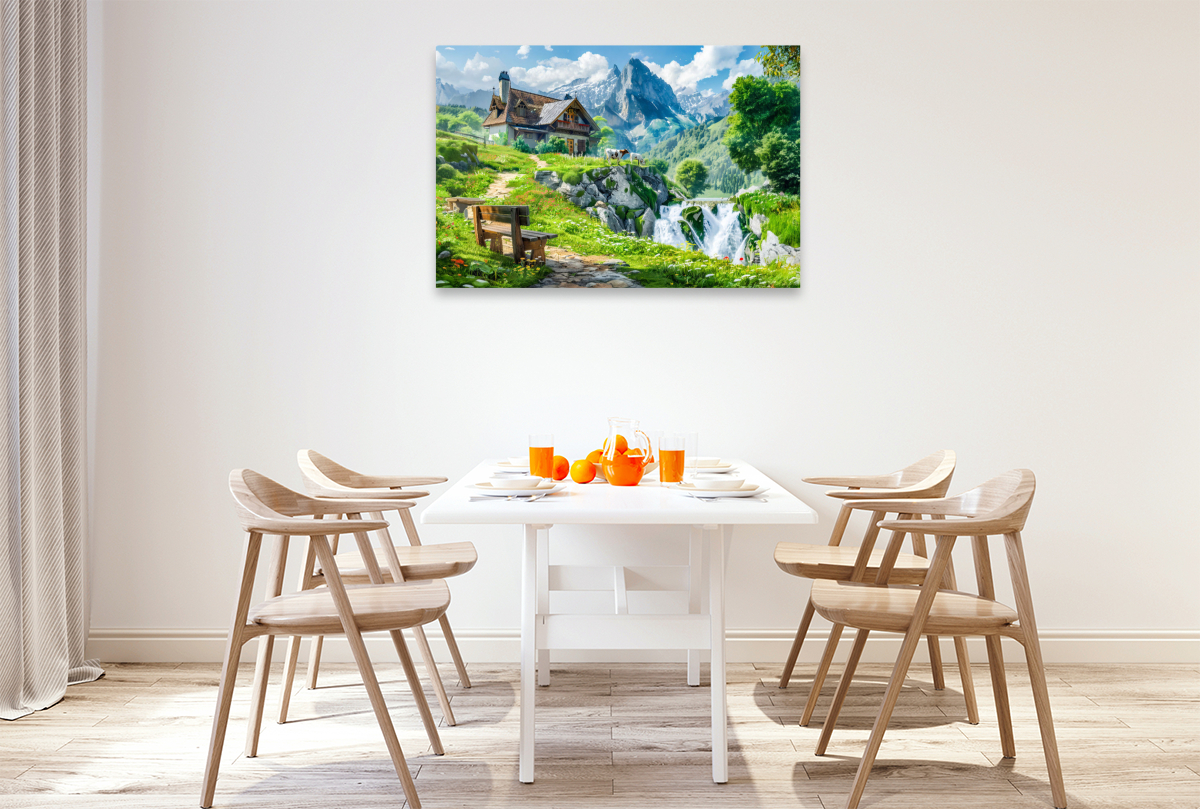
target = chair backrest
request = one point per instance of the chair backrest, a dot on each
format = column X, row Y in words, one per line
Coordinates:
column 322, row 474
column 261, row 502
column 1003, row 501
column 503, row 213
column 933, row 469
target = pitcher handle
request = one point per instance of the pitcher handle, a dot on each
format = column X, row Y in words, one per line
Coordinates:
column 649, row 446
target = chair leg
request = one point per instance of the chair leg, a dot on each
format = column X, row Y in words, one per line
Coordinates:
column 1008, row 742
column 314, row 661
column 367, row 672
column 262, row 666
column 258, row 694
column 912, row 638
column 289, row 676
column 435, row 677
column 835, row 634
column 839, row 697
column 968, row 682
column 1037, row 669
column 414, row 684
column 935, row 662
column 220, row 722
column 790, row 663
column 233, row 651
column 464, row 680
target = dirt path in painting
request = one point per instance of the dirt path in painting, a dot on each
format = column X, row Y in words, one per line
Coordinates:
column 569, row 269
column 499, row 187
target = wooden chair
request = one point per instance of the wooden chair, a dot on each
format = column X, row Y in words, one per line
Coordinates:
column 928, row 477
column 406, row 563
column 998, row 507
column 498, row 221
column 264, row 507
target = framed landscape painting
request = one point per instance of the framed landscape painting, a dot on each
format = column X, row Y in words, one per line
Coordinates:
column 598, row 167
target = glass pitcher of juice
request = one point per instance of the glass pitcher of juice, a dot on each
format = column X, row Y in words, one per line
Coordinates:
column 628, row 453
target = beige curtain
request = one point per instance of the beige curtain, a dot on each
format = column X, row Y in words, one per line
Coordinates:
column 43, row 571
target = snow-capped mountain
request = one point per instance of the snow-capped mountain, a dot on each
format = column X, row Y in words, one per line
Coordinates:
column 444, row 93
column 705, row 106
column 592, row 93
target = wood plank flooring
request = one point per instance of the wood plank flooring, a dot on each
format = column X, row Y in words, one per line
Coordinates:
column 628, row 735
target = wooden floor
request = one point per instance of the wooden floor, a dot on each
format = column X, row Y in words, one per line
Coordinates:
column 610, row 736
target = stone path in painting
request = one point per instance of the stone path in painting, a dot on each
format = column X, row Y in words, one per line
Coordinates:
column 569, row 269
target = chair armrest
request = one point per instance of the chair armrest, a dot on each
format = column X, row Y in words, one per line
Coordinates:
column 371, row 494
column 399, row 481
column 915, row 505
column 949, row 528
column 348, row 505
column 855, row 481
column 308, row 528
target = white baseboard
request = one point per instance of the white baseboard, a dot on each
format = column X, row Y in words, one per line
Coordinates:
column 742, row 646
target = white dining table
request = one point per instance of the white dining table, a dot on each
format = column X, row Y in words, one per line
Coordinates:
column 596, row 503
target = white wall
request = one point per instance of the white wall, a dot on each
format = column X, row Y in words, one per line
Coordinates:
column 1000, row 257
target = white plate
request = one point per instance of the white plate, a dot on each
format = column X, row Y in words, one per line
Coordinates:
column 497, row 488
column 747, row 490
column 709, row 470
column 508, row 466
column 708, row 465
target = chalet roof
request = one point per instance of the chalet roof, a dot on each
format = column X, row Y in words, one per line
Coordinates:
column 529, row 109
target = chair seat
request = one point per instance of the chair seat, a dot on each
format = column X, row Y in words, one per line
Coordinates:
column 889, row 608
column 417, row 562
column 837, row 563
column 376, row 607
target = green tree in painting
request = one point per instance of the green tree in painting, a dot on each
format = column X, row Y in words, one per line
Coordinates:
column 764, row 130
column 603, row 138
column 444, row 121
column 780, row 61
column 467, row 119
column 555, row 145
column 692, row 175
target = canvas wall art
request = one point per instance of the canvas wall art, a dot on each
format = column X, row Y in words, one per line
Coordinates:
column 561, row 167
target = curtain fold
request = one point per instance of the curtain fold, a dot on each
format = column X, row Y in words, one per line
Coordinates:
column 43, row 493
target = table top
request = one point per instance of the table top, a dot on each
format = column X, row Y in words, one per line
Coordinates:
column 649, row 503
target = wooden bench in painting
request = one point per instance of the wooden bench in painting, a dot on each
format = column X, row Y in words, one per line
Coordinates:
column 497, row 221
column 461, row 204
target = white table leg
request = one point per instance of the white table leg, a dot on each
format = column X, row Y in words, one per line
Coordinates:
column 695, row 563
column 529, row 562
column 543, row 599
column 716, row 609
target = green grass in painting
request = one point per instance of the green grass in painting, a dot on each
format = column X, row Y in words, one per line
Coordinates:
column 650, row 263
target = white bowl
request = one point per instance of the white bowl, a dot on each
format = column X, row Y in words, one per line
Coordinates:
column 722, row 483
column 700, row 463
column 518, row 482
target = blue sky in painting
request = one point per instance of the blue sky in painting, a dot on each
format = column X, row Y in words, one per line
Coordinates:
column 540, row 67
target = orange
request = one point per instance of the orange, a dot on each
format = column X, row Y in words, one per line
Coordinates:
column 634, row 451
column 560, row 466
column 595, row 455
column 583, row 471
column 622, row 444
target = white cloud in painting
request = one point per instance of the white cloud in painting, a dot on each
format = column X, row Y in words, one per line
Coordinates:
column 708, row 61
column 558, row 71
column 548, row 47
column 448, row 47
column 523, row 51
column 477, row 73
column 746, row 67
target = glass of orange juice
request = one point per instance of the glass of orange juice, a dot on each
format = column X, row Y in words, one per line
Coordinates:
column 671, row 448
column 541, row 455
